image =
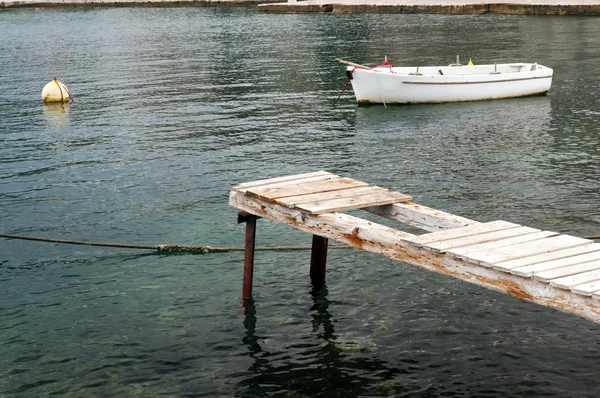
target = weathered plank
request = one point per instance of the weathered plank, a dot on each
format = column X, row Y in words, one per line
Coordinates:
column 422, row 217
column 292, row 201
column 546, row 276
column 491, row 249
column 544, row 257
column 356, row 202
column 587, row 289
column 276, row 180
column 337, row 226
column 290, row 183
column 475, row 229
column 569, row 282
column 528, row 247
column 479, row 238
column 274, row 192
column 529, row 270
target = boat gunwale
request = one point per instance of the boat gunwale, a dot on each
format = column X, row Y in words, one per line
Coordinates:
column 388, row 68
column 475, row 77
column 477, row 82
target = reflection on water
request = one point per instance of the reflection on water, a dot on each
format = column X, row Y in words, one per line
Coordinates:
column 523, row 120
column 57, row 113
column 325, row 360
column 441, row 150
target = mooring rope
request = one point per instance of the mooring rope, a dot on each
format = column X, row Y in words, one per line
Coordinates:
column 166, row 248
column 178, row 248
column 345, row 86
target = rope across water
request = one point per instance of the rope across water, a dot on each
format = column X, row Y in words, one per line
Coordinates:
column 164, row 248
column 178, row 248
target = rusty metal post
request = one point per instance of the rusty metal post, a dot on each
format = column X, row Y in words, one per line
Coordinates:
column 318, row 259
column 250, row 220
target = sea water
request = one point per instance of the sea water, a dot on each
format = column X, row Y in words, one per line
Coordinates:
column 173, row 106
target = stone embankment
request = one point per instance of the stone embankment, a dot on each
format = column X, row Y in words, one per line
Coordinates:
column 131, row 3
column 516, row 7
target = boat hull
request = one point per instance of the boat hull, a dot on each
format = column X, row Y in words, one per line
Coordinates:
column 449, row 84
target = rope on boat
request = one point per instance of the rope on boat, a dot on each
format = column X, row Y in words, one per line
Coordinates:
column 165, row 248
column 380, row 93
column 345, row 86
column 385, row 63
column 594, row 237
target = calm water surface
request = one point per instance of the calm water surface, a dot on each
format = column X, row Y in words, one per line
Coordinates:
column 174, row 106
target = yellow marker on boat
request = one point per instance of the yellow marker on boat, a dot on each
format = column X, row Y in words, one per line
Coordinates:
column 470, row 62
column 55, row 91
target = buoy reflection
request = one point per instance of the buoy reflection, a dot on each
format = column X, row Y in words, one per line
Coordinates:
column 57, row 113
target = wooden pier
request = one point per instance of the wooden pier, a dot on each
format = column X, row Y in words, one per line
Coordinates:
column 544, row 267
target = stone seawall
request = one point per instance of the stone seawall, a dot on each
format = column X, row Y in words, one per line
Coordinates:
column 131, row 3
column 348, row 7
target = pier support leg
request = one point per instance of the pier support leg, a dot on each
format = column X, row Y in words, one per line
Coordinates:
column 318, row 259
column 250, row 220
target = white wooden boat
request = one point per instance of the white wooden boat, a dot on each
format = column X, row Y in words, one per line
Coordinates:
column 453, row 83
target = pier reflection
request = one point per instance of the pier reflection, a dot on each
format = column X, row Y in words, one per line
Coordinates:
column 322, row 367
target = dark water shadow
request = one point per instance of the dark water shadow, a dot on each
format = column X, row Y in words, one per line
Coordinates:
column 334, row 370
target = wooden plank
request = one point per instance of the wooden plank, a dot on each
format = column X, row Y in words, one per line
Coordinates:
column 422, row 217
column 291, row 201
column 527, row 248
column 544, row 257
column 547, row 276
column 391, row 243
column 274, row 192
column 460, row 232
column 339, row 226
column 529, row 270
column 587, row 289
column 356, row 202
column 480, row 238
column 491, row 250
column 290, row 183
column 277, row 180
column 569, row 282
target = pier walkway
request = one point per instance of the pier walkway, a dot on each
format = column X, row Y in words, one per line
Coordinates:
column 518, row 7
column 544, row 267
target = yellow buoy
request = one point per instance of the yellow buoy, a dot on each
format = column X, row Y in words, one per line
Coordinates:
column 55, row 91
column 470, row 62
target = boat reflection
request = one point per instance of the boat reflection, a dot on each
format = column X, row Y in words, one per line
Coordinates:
column 515, row 117
column 465, row 141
